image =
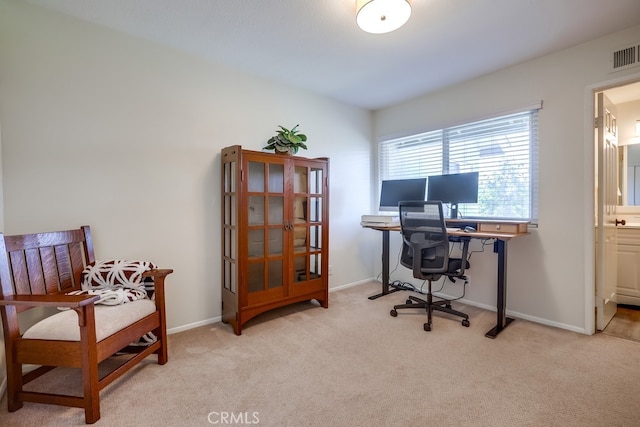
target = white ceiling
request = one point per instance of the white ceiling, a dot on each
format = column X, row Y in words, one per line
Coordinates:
column 316, row 45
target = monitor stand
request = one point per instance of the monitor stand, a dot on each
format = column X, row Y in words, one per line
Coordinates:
column 453, row 211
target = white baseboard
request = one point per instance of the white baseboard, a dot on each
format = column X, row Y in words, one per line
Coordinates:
column 194, row 325
column 351, row 285
column 534, row 319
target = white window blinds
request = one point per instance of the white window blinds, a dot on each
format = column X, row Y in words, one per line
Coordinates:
column 504, row 150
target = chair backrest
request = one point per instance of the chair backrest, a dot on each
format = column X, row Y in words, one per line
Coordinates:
column 44, row 263
column 425, row 247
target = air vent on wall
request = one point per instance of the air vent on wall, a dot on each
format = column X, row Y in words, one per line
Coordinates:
column 627, row 57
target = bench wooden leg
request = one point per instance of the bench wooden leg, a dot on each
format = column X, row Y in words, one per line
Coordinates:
column 14, row 386
column 90, row 378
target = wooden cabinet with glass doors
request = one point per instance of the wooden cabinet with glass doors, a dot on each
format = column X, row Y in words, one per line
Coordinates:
column 275, row 232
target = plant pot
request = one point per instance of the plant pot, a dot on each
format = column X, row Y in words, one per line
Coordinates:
column 288, row 152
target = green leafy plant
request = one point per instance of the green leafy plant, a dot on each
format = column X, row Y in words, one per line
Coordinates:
column 287, row 140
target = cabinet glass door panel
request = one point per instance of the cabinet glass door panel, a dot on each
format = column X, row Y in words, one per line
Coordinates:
column 300, row 184
column 227, row 274
column 256, row 177
column 315, row 209
column 315, row 266
column 230, row 243
column 276, row 178
column 300, row 238
column 276, row 278
column 307, row 267
column 233, row 280
column 227, row 243
column 255, row 243
column 315, row 237
column 315, row 181
column 276, row 210
column 255, row 277
column 230, row 280
column 275, row 241
column 256, row 210
column 299, row 268
column 300, row 209
column 229, row 177
column 230, row 210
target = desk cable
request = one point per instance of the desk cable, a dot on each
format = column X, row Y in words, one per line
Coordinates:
column 484, row 243
column 406, row 286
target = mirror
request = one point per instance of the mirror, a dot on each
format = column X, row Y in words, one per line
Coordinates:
column 630, row 174
column 627, row 103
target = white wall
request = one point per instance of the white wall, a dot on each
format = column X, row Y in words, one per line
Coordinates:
column 551, row 270
column 113, row 131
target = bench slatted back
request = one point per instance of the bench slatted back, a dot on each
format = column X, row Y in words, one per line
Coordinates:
column 44, row 263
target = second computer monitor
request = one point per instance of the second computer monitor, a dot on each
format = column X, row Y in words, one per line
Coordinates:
column 453, row 188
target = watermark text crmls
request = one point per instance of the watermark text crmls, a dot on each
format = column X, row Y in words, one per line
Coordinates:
column 227, row 418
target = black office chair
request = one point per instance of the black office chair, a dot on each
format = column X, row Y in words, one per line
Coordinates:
column 424, row 232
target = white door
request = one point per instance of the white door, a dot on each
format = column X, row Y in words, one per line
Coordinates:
column 606, row 203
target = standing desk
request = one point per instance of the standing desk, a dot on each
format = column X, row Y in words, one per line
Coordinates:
column 501, row 231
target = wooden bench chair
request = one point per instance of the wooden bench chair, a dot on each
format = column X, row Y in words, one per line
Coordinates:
column 38, row 270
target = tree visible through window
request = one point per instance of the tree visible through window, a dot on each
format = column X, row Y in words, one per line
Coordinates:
column 503, row 150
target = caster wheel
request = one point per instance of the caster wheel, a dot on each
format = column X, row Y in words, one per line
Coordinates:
column 409, row 301
column 393, row 313
column 466, row 323
column 427, row 327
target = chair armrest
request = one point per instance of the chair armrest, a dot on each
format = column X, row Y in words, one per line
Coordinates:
column 464, row 255
column 52, row 300
column 417, row 248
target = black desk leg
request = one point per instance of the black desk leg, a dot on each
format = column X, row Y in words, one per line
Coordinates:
column 385, row 268
column 502, row 321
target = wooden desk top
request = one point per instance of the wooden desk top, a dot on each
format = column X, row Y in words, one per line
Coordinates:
column 486, row 229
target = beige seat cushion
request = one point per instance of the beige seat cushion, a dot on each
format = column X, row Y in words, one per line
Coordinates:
column 63, row 326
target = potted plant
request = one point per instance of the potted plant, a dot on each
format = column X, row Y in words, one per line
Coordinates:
column 287, row 141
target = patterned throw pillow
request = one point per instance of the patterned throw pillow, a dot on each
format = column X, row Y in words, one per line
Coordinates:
column 111, row 273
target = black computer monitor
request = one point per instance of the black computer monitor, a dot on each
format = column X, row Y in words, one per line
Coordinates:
column 399, row 190
column 454, row 188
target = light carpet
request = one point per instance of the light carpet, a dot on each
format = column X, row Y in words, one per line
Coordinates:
column 354, row 365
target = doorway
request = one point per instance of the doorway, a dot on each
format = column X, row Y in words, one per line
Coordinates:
column 626, row 321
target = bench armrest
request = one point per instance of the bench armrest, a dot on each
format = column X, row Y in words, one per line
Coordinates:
column 51, row 300
column 157, row 272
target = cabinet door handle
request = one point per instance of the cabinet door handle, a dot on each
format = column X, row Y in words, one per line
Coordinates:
column 620, row 222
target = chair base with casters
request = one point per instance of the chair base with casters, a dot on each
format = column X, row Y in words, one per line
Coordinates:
column 431, row 305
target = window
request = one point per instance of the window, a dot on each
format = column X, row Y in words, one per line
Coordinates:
column 504, row 150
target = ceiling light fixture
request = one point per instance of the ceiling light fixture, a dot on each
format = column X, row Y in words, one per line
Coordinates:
column 382, row 16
